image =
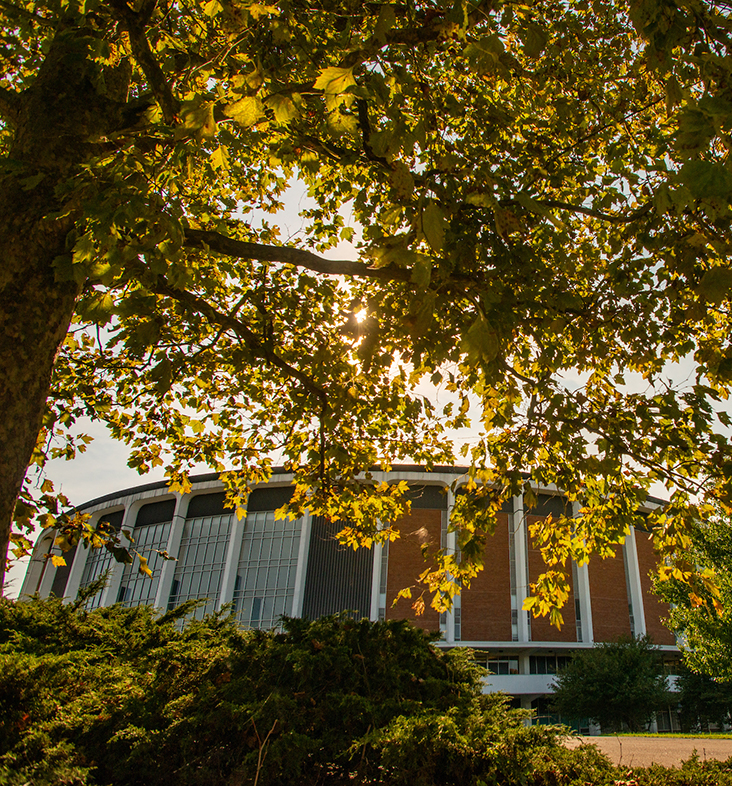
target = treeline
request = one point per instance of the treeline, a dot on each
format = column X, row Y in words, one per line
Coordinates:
column 129, row 697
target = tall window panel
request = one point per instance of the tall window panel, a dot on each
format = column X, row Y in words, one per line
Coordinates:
column 99, row 560
column 265, row 577
column 202, row 555
column 151, row 533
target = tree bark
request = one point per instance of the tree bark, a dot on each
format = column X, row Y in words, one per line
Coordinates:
column 57, row 117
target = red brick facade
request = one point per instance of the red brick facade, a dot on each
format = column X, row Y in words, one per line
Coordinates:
column 654, row 608
column 541, row 628
column 609, row 594
column 486, row 606
column 422, row 527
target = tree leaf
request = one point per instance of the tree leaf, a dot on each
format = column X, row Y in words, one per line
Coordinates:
column 715, row 285
column 335, row 80
column 246, row 111
column 433, row 225
column 706, row 179
column 143, row 569
column 283, row 107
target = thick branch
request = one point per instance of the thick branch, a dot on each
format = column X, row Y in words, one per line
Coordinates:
column 243, row 331
column 196, row 238
column 135, row 24
column 588, row 211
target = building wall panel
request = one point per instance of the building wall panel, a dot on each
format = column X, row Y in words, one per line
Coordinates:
column 486, row 606
column 541, row 628
column 338, row 578
column 609, row 597
column 654, row 608
column 422, row 527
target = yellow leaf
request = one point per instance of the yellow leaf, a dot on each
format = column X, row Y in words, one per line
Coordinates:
column 283, row 107
column 246, row 111
column 335, row 80
column 220, row 158
column 143, row 568
column 58, row 561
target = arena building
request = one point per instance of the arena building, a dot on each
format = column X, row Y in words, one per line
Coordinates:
column 267, row 567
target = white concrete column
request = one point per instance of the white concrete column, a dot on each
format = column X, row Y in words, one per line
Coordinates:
column 376, row 582
column 231, row 564
column 302, row 565
column 167, row 570
column 456, row 613
column 635, row 588
column 521, row 556
column 450, row 548
column 582, row 592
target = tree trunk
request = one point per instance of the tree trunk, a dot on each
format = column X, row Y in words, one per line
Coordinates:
column 59, row 114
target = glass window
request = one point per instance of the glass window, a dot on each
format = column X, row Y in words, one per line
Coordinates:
column 135, row 588
column 201, row 560
column 265, row 577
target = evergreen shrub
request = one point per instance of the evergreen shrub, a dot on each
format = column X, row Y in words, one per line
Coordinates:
column 128, row 697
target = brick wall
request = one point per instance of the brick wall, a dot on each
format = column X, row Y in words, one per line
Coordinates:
column 421, row 527
column 541, row 628
column 610, row 615
column 486, row 606
column 653, row 607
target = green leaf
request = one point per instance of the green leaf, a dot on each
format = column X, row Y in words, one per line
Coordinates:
column 674, row 96
column 335, row 80
column 422, row 271
column 283, row 107
column 715, row 285
column 706, row 179
column 386, row 21
column 246, row 111
column 433, row 226
column 534, row 39
column 480, row 343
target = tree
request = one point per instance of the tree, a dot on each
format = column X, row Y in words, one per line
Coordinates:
column 703, row 701
column 614, row 683
column 700, row 598
column 543, row 195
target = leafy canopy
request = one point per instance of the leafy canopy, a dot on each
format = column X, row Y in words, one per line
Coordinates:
column 700, row 598
column 540, row 201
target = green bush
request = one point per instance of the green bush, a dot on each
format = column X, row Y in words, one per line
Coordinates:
column 125, row 697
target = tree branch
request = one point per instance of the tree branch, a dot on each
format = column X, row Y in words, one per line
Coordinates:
column 23, row 13
column 243, row 331
column 135, row 24
column 588, row 211
column 196, row 238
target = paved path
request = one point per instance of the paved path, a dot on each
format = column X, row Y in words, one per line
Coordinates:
column 644, row 751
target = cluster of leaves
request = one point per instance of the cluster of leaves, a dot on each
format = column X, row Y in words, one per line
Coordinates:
column 700, row 598
column 615, row 684
column 123, row 696
column 543, row 196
